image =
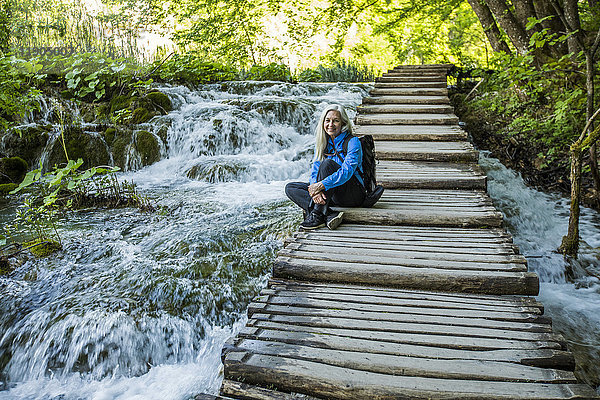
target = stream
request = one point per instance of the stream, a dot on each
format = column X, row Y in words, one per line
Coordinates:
column 138, row 306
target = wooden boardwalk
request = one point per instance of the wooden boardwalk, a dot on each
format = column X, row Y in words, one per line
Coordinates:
column 423, row 296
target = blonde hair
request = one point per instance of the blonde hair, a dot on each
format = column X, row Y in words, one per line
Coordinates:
column 321, row 135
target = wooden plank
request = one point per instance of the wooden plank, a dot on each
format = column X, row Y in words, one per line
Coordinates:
column 539, row 325
column 420, row 328
column 394, row 307
column 412, row 132
column 413, row 78
column 425, row 151
column 488, row 282
column 342, row 383
column 424, row 67
column 423, row 232
column 437, row 247
column 406, row 118
column 402, row 261
column 240, row 390
column 413, row 84
column 469, row 299
column 406, row 108
column 425, row 217
column 396, row 99
column 376, row 238
column 405, row 252
column 409, row 366
column 409, row 92
column 443, row 302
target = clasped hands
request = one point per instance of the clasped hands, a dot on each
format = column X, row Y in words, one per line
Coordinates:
column 317, row 192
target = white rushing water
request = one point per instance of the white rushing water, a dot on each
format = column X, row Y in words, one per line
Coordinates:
column 138, row 306
column 569, row 290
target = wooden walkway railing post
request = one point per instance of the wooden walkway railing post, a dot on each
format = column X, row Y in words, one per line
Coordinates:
column 423, row 296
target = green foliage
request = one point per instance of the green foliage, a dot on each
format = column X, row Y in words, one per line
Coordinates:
column 541, row 105
column 191, row 68
column 343, row 71
column 17, row 95
column 270, row 72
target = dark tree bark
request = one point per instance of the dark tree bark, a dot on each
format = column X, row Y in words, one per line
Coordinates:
column 570, row 242
column 554, row 25
column 489, row 26
column 572, row 16
column 523, row 10
column 507, row 21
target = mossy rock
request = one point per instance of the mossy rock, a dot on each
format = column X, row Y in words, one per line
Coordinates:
column 121, row 102
column 141, row 115
column 120, row 146
column 161, row 101
column 109, row 135
column 43, row 248
column 87, row 146
column 12, row 169
column 163, row 132
column 27, row 143
column 6, row 188
column 147, row 147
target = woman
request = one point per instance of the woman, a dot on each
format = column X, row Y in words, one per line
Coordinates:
column 334, row 176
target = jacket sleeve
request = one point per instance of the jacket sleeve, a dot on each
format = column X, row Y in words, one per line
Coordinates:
column 314, row 170
column 351, row 162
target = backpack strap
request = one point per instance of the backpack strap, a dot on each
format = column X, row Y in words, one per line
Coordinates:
column 342, row 154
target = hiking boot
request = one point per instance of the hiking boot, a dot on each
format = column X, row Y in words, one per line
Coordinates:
column 334, row 219
column 314, row 220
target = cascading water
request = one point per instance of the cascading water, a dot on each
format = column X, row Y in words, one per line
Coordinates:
column 139, row 305
column 569, row 290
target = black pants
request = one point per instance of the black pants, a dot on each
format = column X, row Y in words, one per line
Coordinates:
column 350, row 194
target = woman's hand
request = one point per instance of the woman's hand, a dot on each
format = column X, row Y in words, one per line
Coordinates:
column 316, row 188
column 319, row 198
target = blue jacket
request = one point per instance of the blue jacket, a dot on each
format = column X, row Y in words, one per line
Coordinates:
column 351, row 164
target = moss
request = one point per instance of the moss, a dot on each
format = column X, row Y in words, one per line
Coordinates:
column 120, row 145
column 67, row 94
column 43, row 247
column 161, row 101
column 109, row 135
column 28, row 143
column 148, row 148
column 12, row 169
column 141, row 115
column 87, row 146
column 121, row 102
column 6, row 188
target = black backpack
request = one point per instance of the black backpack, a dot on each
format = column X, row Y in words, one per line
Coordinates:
column 374, row 191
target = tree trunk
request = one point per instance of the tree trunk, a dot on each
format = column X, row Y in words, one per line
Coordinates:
column 523, row 10
column 489, row 26
column 589, row 110
column 572, row 17
column 507, row 21
column 570, row 242
column 554, row 25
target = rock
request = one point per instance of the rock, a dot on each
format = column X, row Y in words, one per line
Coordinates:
column 79, row 144
column 109, row 135
column 141, row 115
column 43, row 248
column 160, row 101
column 27, row 144
column 147, row 147
column 120, row 146
column 12, row 170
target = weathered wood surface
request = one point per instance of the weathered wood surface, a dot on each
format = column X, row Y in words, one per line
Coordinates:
column 426, row 151
column 420, row 297
column 407, row 108
column 430, row 175
column 410, row 92
column 412, row 99
column 407, row 118
column 412, row 132
column 321, row 379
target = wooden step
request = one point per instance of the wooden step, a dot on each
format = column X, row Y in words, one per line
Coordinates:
column 405, row 108
column 412, row 132
column 425, row 151
column 409, row 92
column 429, row 175
column 387, row 85
column 412, row 78
column 422, row 67
column 406, row 100
column 428, row 208
column 407, row 119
